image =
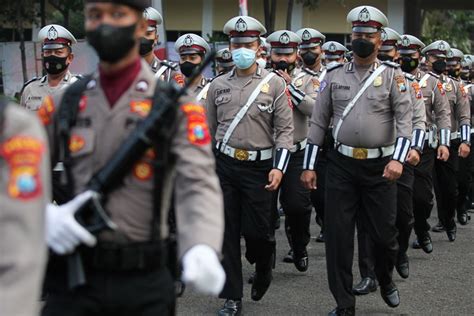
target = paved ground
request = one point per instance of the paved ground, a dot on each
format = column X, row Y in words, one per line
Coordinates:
column 441, row 283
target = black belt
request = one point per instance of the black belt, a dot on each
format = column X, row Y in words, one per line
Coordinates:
column 128, row 257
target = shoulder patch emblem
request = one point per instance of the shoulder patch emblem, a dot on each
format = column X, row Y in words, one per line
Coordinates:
column 141, row 107
column 23, row 155
column 416, row 87
column 439, row 85
column 401, row 83
column 463, row 90
column 179, row 79
column 198, row 130
column 288, row 96
column 76, row 143
column 323, row 86
column 46, row 110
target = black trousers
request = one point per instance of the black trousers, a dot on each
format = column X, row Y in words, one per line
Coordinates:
column 296, row 203
column 112, row 293
column 423, row 191
column 356, row 190
column 464, row 177
column 446, row 186
column 404, row 224
column 248, row 212
column 317, row 196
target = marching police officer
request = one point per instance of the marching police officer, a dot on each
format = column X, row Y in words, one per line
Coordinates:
column 446, row 184
column 57, row 56
column 333, row 52
column 388, row 51
column 251, row 123
column 263, row 54
column 126, row 268
column 191, row 49
column 163, row 69
column 372, row 113
column 224, row 62
column 25, row 189
column 437, row 118
column 295, row 199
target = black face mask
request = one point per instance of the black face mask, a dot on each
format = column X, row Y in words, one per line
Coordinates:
column 55, row 65
column 408, row 64
column 112, row 43
column 146, row 45
column 187, row 68
column 384, row 57
column 362, row 47
column 454, row 72
column 283, row 65
column 439, row 66
column 309, row 58
column 465, row 75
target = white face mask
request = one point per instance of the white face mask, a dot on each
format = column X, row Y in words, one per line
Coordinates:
column 243, row 57
column 262, row 62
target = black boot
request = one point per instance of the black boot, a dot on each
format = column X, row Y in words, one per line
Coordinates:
column 231, row 308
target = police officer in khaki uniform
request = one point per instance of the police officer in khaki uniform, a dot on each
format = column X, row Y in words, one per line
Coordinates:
column 437, row 123
column 446, row 184
column 126, row 269
column 371, row 108
column 191, row 49
column 310, row 50
column 163, row 69
column 57, row 56
column 333, row 52
column 25, row 189
column 389, row 52
column 294, row 198
column 224, row 62
column 251, row 124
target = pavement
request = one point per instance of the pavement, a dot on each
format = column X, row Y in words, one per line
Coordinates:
column 440, row 283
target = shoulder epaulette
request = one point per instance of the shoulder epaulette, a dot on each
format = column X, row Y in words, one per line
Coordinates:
column 455, row 79
column 29, row 81
column 410, row 76
column 434, row 75
column 391, row 64
column 309, row 71
column 170, row 64
column 219, row 75
column 334, row 66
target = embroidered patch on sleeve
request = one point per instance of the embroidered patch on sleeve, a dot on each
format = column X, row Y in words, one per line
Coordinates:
column 463, row 91
column 179, row 79
column 288, row 96
column 46, row 110
column 23, row 155
column 401, row 83
column 440, row 88
column 198, row 130
column 416, row 87
column 141, row 107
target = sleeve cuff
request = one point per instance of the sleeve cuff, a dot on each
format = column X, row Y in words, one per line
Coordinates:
column 296, row 94
column 445, row 137
column 465, row 131
column 310, row 157
column 418, row 140
column 282, row 157
column 402, row 146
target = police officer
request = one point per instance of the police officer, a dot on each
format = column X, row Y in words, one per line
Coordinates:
column 126, row 269
column 294, row 198
column 191, row 49
column 263, row 54
column 371, row 109
column 25, row 189
column 333, row 52
column 251, row 123
column 389, row 52
column 57, row 57
column 163, row 69
column 224, row 62
column 437, row 118
column 446, row 184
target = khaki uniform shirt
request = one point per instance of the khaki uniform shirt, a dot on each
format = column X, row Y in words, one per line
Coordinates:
column 99, row 132
column 195, row 91
column 25, row 189
column 170, row 73
column 36, row 89
column 418, row 104
column 268, row 122
column 436, row 102
column 381, row 114
column 458, row 102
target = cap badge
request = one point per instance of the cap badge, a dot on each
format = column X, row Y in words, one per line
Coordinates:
column 188, row 41
column 450, row 54
column 52, row 33
column 332, row 47
column 384, row 35
column 226, row 55
column 145, row 14
column 441, row 46
column 306, row 36
column 364, row 15
column 241, row 25
column 284, row 38
column 405, row 41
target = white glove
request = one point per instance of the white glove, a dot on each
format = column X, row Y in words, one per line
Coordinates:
column 202, row 269
column 63, row 232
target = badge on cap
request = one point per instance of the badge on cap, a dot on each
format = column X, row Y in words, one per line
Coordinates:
column 384, row 35
column 364, row 15
column 405, row 41
column 378, row 81
column 284, row 38
column 52, row 33
column 188, row 41
column 306, row 36
column 226, row 55
column 332, row 47
column 441, row 46
column 240, row 25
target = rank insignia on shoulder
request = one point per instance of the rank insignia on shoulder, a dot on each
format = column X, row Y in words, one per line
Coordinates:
column 141, row 107
column 402, row 87
column 198, row 130
column 23, row 155
column 334, row 66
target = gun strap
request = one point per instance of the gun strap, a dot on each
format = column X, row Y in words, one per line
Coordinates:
column 67, row 115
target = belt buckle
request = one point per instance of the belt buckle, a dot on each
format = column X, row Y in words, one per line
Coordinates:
column 360, row 153
column 241, row 155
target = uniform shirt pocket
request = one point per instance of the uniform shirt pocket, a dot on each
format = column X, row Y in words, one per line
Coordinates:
column 379, row 99
column 81, row 142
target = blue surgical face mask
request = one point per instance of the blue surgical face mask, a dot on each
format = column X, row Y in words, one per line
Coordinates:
column 243, row 57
